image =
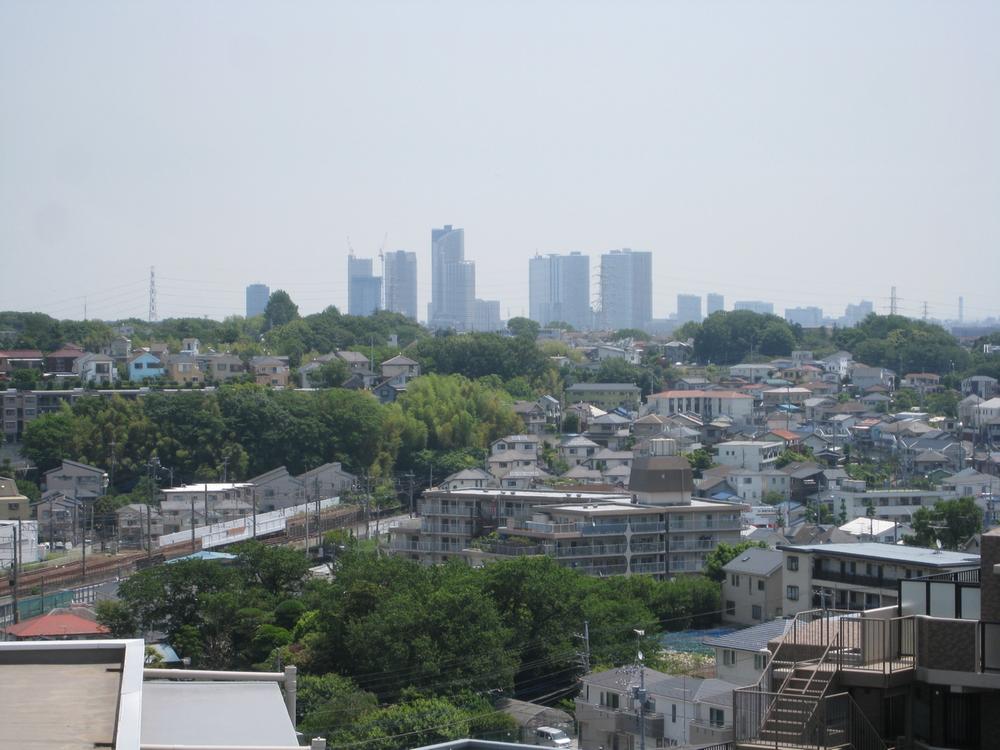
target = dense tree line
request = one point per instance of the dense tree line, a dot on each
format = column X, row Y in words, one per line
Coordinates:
column 388, row 630
column 252, row 429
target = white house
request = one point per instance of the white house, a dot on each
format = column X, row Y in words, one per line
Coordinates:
column 746, row 454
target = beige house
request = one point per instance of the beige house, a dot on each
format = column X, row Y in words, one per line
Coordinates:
column 271, row 371
column 184, row 368
column 221, row 367
column 751, row 590
column 13, row 505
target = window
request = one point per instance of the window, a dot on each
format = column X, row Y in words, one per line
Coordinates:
column 760, row 584
column 13, row 506
column 792, row 563
column 735, row 579
column 609, row 699
column 792, row 593
column 759, row 661
column 716, row 717
column 728, row 657
column 757, row 614
column 730, row 607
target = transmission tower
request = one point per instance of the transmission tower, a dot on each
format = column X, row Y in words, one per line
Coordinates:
column 892, row 302
column 152, row 294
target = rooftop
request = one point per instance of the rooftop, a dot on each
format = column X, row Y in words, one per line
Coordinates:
column 756, row 561
column 932, row 558
column 754, row 638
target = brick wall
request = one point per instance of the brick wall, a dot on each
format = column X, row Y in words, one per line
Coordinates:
column 946, row 644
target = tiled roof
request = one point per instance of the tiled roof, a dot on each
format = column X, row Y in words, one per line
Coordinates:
column 753, row 638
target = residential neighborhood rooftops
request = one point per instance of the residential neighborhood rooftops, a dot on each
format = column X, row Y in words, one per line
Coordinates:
column 700, row 394
column 603, row 387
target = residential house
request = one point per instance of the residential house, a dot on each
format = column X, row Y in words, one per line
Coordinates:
column 355, row 361
column 860, row 576
column 922, row 382
column 741, row 657
column 59, row 517
column 184, row 368
column 608, row 459
column 970, row 483
column 532, row 416
column 20, row 537
column 524, row 478
column 389, row 389
column 895, row 504
column 13, row 505
column 327, row 480
column 139, row 526
column 272, row 371
column 864, row 377
column 20, row 359
column 607, row 396
column 583, row 475
column 203, row 504
column 708, row 405
column 400, row 366
column 786, row 396
column 746, row 454
column 751, row 373
column 190, row 346
column 870, row 529
column 220, row 368
column 610, row 430
column 96, row 369
column 474, row 478
column 839, row 363
column 692, row 383
column 678, row 711
column 60, row 362
column 752, row 591
column 77, row 479
column 120, row 348
column 145, row 366
column 277, row 489
column 575, row 449
column 501, row 463
column 983, row 386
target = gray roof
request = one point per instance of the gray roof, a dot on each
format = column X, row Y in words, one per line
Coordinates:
column 753, row 638
column 756, row 561
column 657, row 683
column 603, row 387
column 932, row 558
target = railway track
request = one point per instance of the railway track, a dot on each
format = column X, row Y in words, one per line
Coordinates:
column 103, row 568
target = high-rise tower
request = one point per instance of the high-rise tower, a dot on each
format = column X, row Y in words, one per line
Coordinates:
column 401, row 283
column 453, row 281
column 626, row 289
column 559, row 289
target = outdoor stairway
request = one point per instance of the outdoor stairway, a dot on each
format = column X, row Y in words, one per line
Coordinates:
column 791, row 720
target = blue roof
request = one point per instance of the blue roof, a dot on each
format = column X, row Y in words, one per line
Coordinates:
column 723, row 496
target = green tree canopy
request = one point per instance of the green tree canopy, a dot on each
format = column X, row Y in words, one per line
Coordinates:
column 280, row 309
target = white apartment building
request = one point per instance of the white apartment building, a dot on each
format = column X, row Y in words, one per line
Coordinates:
column 203, row 504
column 707, row 404
column 860, row 576
column 746, row 454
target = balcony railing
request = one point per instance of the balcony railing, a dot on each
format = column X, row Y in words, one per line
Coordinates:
column 685, row 566
column 692, row 545
column 795, row 721
column 405, row 545
column 853, row 579
column 460, row 529
column 596, row 529
column 509, row 550
column 648, row 527
column 543, row 527
column 649, row 568
column 647, row 547
column 588, row 550
column 718, row 524
column 600, row 570
column 431, row 508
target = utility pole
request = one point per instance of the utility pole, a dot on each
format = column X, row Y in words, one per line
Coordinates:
column 409, row 475
column 639, row 693
column 585, row 653
column 319, row 523
column 14, row 571
column 192, row 525
column 254, row 495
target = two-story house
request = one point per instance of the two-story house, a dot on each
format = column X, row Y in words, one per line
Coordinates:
column 607, row 396
column 272, row 371
column 752, row 590
column 145, row 366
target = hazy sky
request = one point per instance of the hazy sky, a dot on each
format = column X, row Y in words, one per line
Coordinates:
column 800, row 152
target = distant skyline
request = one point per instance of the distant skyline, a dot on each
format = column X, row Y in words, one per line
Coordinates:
column 807, row 155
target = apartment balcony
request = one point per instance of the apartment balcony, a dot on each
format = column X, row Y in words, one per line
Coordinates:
column 685, row 566
column 649, row 527
column 637, row 548
column 517, row 525
column 509, row 550
column 713, row 525
column 457, row 529
column 432, row 508
column 692, row 545
column 853, row 579
column 588, row 550
column 649, row 568
column 407, row 545
column 600, row 529
column 599, row 571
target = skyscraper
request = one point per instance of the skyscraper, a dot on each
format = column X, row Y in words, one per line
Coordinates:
column 714, row 303
column 364, row 289
column 559, row 289
column 807, row 317
column 453, row 281
column 688, row 308
column 486, row 315
column 753, row 305
column 401, row 283
column 257, row 297
column 626, row 289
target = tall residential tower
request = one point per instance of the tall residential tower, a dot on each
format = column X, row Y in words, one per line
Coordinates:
column 559, row 290
column 401, row 283
column 626, row 289
column 453, row 281
column 364, row 289
column 257, row 297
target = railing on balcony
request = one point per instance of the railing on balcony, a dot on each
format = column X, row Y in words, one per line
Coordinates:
column 600, row 570
column 593, row 529
column 588, row 550
column 692, row 545
column 543, row 527
column 649, row 567
column 647, row 547
column 853, row 579
column 405, row 545
column 685, row 566
column 876, row 645
column 648, row 527
column 460, row 529
column 510, row 550
column 718, row 524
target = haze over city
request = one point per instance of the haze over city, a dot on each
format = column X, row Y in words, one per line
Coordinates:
column 802, row 154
